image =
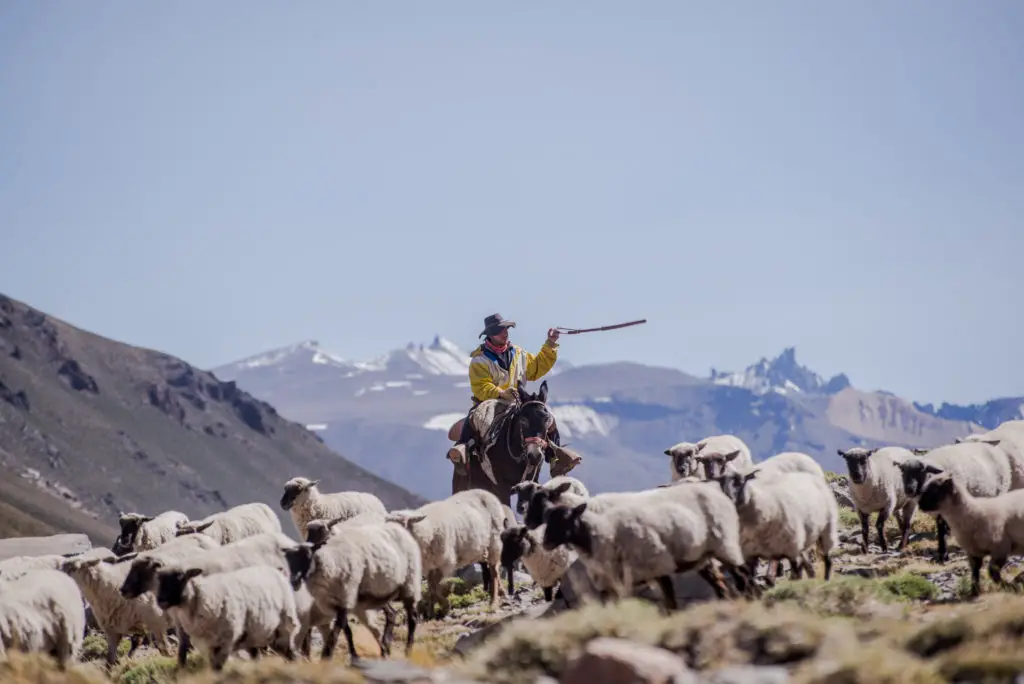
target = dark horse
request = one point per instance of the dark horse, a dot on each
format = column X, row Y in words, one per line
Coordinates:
column 517, row 446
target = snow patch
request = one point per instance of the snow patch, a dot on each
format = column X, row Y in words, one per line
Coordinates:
column 602, row 400
column 461, row 384
column 316, row 427
column 579, row 420
column 419, row 393
column 397, row 383
column 443, row 421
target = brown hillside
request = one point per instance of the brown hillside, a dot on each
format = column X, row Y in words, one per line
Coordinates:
column 107, row 426
column 887, row 418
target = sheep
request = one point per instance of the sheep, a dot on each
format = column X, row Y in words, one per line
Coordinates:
column 367, row 567
column 1009, row 436
column 524, row 490
column 544, row 498
column 43, row 612
column 251, row 607
column 650, row 536
column 876, row 485
column 100, row 581
column 142, row 532
column 683, row 462
column 304, row 501
column 545, row 567
column 454, row 532
column 784, row 516
column 317, row 531
column 720, row 452
column 18, row 566
column 981, row 467
column 234, row 524
column 785, row 462
column 982, row 525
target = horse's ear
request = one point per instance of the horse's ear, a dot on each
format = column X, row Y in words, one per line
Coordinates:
column 521, row 388
column 543, row 394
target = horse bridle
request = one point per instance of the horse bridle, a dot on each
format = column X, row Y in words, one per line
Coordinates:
column 542, row 441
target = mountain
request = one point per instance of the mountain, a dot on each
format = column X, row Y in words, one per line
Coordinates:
column 391, row 414
column 989, row 414
column 90, row 426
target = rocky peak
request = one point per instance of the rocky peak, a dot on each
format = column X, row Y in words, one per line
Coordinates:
column 783, row 375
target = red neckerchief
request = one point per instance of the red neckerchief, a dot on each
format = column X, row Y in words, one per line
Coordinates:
column 496, row 349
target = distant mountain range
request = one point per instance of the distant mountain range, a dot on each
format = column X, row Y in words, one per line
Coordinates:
column 390, row 414
column 90, row 426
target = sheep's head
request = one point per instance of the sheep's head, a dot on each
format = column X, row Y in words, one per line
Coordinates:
column 131, row 524
column 715, row 461
column 565, row 525
column 301, row 560
column 171, row 585
column 524, row 492
column 915, row 472
column 734, row 485
column 80, row 565
column 543, row 498
column 296, row 489
column 977, row 437
column 319, row 531
column 405, row 518
column 937, row 491
column 141, row 577
column 185, row 527
column 683, row 460
column 516, row 542
column 858, row 463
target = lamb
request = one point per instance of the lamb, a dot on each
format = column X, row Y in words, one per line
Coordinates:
column 876, row 485
column 305, row 503
column 982, row 525
column 784, row 516
column 42, row 612
column 142, row 532
column 100, row 581
column 720, row 452
column 649, row 537
column 982, row 468
column 251, row 608
column 235, row 523
column 367, row 567
column 544, row 566
column 465, row 528
column 524, row 490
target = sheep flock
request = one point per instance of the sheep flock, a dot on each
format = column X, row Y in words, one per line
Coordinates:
column 235, row 581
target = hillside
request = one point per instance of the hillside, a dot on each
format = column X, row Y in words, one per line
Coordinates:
column 391, row 414
column 105, row 426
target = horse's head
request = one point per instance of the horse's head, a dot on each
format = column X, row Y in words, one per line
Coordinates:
column 534, row 420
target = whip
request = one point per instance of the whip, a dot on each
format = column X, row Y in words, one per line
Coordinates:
column 577, row 331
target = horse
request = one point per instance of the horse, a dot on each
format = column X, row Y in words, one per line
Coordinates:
column 516, row 445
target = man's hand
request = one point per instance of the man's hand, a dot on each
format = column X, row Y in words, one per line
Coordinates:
column 510, row 394
column 553, row 335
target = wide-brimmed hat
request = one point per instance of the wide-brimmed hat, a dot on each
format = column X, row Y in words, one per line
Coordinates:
column 494, row 324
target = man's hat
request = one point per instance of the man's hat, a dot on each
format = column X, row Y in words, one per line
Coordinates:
column 494, row 323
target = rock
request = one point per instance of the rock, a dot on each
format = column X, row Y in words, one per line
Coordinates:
column 468, row 642
column 393, row 671
column 42, row 546
column 748, row 674
column 608, row 660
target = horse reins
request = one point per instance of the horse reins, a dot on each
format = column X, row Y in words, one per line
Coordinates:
column 528, row 440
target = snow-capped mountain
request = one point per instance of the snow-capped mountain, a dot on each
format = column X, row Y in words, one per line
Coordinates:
column 782, row 375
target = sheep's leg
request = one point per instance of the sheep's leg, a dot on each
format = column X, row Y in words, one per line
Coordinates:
column 511, row 583
column 668, row 592
column 796, row 567
column 865, row 520
column 880, row 520
column 184, row 643
column 160, row 640
column 364, row 618
column 254, row 653
column 307, row 643
column 485, row 575
column 995, row 570
column 717, row 583
column 330, row 640
column 907, row 517
column 941, row 529
column 410, row 619
column 548, row 594
column 218, row 657
column 976, row 562
column 808, row 566
column 495, row 584
column 113, row 641
column 136, row 641
column 744, row 580
column 342, row 618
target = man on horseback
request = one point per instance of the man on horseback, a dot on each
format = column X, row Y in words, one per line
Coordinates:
column 495, row 369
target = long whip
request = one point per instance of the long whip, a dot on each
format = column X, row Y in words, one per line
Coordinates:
column 577, row 331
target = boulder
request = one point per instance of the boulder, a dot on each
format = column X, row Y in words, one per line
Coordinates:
column 43, row 546
column 608, row 660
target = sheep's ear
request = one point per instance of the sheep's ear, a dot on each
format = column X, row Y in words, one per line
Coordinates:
column 193, row 572
column 146, row 518
column 516, row 488
column 413, row 519
column 841, row 453
column 751, row 475
column 578, row 510
column 933, row 469
column 505, row 524
column 313, row 483
column 872, row 451
column 668, row 452
column 991, row 442
column 334, row 521
column 204, row 526
column 919, row 451
column 731, row 455
column 561, row 488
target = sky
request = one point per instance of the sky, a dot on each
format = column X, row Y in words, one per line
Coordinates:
column 216, row 179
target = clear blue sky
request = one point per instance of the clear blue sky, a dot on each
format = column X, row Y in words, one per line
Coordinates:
column 214, row 179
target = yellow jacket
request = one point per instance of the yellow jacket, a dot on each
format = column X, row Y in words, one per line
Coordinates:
column 487, row 379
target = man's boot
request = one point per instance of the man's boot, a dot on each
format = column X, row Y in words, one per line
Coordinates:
column 562, row 460
column 458, row 454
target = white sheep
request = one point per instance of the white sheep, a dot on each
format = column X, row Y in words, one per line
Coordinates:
column 982, row 525
column 18, row 566
column 683, row 461
column 317, row 531
column 721, row 452
column 234, row 524
column 142, row 532
column 42, row 612
column 305, row 502
column 100, row 581
column 524, row 490
column 365, row 567
column 1009, row 436
column 785, row 462
column 544, row 566
column 249, row 608
column 982, row 468
column 876, row 486
column 266, row 548
column 784, row 517
column 544, row 498
column 465, row 528
column 649, row 537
